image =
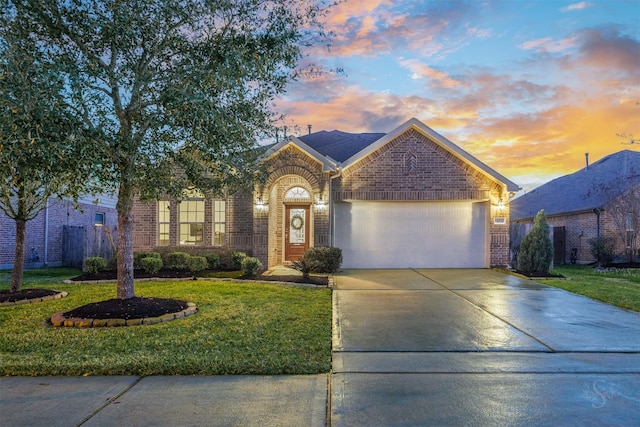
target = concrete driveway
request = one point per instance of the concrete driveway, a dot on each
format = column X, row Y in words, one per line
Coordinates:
column 478, row 347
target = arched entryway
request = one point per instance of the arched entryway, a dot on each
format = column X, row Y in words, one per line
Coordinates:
column 291, row 219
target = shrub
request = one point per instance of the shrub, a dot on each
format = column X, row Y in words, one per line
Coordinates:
column 603, row 249
column 329, row 259
column 250, row 266
column 225, row 259
column 177, row 260
column 213, row 260
column 151, row 264
column 95, row 264
column 536, row 249
column 237, row 259
column 138, row 256
column 306, row 265
column 197, row 263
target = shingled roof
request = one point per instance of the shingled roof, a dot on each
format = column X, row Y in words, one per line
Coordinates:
column 583, row 190
column 339, row 145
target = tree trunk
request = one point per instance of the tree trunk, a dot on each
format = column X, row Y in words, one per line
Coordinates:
column 18, row 260
column 125, row 242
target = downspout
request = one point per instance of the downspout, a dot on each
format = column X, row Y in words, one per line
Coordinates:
column 46, row 233
column 332, row 207
column 597, row 211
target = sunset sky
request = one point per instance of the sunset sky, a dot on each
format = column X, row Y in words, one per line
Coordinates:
column 526, row 86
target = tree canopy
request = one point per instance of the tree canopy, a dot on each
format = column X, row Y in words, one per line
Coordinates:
column 172, row 85
column 41, row 138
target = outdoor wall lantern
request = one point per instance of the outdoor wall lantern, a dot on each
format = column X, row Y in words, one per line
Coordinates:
column 260, row 204
column 320, row 204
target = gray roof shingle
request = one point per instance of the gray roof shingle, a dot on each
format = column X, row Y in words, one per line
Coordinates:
column 339, row 145
column 582, row 190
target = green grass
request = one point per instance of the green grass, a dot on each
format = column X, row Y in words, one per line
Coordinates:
column 240, row 328
column 621, row 288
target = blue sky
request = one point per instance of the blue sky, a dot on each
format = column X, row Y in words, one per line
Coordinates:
column 526, row 86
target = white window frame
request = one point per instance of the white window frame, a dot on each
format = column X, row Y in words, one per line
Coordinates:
column 219, row 222
column 190, row 219
column 164, row 222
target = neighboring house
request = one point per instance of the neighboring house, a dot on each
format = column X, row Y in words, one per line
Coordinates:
column 79, row 231
column 408, row 198
column 603, row 199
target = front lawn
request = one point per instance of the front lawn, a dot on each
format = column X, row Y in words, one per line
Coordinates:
column 240, row 328
column 620, row 288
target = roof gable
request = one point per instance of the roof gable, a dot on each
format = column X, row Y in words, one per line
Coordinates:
column 327, row 163
column 437, row 139
column 582, row 190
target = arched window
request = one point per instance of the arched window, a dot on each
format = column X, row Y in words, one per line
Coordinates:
column 297, row 193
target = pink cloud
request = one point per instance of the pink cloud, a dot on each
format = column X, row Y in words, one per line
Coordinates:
column 576, row 6
column 421, row 70
column 547, row 44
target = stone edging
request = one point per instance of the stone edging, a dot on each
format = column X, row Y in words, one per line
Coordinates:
column 58, row 320
column 32, row 300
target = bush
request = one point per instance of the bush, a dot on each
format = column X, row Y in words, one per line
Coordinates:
column 306, row 265
column 139, row 256
column 328, row 259
column 177, row 260
column 536, row 249
column 250, row 266
column 603, row 249
column 197, row 263
column 213, row 260
column 95, row 264
column 225, row 259
column 237, row 259
column 151, row 264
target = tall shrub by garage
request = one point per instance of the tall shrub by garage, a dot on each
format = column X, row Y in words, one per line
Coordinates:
column 536, row 249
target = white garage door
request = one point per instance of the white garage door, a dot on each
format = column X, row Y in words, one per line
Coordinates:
column 412, row 234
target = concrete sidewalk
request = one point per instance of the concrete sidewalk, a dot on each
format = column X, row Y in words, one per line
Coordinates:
column 164, row 401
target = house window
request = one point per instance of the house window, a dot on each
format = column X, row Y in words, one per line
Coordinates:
column 297, row 193
column 99, row 219
column 164, row 220
column 192, row 222
column 219, row 219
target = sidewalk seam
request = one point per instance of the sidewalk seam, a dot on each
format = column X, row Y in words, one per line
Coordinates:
column 109, row 401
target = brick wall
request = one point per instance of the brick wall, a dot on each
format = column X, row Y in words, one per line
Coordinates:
column 60, row 213
column 412, row 167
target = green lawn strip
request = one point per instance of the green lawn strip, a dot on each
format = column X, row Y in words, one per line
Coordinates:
column 620, row 288
column 240, row 328
column 40, row 276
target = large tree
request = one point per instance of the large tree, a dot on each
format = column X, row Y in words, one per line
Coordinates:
column 173, row 85
column 41, row 149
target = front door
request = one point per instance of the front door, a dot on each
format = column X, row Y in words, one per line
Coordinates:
column 296, row 235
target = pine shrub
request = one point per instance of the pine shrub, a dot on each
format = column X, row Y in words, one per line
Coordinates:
column 536, row 249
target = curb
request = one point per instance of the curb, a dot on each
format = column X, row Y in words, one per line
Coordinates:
column 34, row 300
column 58, row 320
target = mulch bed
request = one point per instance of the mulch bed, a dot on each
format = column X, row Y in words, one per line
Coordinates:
column 25, row 294
column 132, row 308
column 174, row 274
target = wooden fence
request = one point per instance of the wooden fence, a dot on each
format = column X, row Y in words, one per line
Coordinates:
column 80, row 242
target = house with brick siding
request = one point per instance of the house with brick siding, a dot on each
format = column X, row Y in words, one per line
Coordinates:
column 599, row 200
column 407, row 198
column 62, row 233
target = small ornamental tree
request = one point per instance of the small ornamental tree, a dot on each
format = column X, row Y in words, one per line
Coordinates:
column 536, row 249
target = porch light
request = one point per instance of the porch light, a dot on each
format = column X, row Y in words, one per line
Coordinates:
column 320, row 204
column 501, row 206
column 260, row 204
